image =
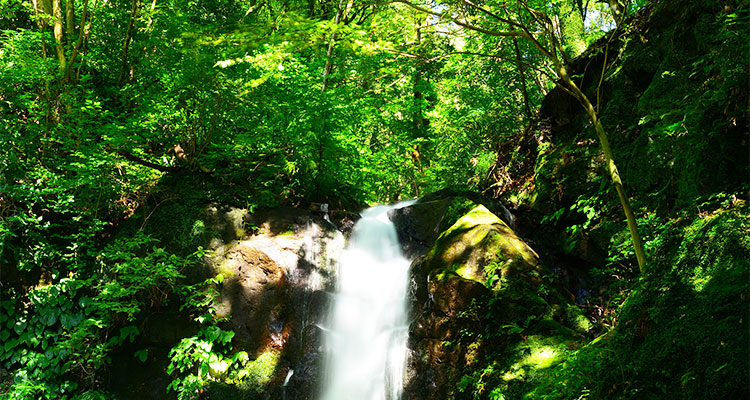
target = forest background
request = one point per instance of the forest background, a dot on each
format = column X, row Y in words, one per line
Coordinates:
column 112, row 109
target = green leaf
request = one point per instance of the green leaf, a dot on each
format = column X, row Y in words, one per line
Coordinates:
column 49, row 318
column 20, row 326
column 141, row 355
column 10, row 344
column 129, row 332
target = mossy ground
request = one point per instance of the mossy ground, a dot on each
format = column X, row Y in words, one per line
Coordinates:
column 682, row 332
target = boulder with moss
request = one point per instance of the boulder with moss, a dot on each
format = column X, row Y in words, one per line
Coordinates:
column 481, row 295
column 419, row 224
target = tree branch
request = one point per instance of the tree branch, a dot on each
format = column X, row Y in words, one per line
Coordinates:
column 130, row 157
column 518, row 33
column 77, row 45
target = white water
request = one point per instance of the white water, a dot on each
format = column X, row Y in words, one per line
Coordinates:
column 368, row 326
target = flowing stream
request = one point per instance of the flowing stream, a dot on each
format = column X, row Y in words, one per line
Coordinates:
column 367, row 329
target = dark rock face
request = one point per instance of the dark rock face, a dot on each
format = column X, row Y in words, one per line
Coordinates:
column 304, row 383
column 418, row 225
column 344, row 221
column 438, row 353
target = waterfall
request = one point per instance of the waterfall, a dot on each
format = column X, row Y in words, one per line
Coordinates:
column 366, row 333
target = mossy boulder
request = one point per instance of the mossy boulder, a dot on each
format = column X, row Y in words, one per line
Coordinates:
column 479, row 292
column 481, row 247
column 419, row 224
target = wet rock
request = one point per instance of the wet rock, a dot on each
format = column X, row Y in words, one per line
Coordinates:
column 418, row 225
column 275, row 290
column 307, row 374
column 344, row 221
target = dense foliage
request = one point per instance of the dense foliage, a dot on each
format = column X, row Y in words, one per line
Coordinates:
column 121, row 120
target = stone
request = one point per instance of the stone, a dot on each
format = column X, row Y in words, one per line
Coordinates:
column 483, row 248
column 418, row 225
column 478, row 276
column 253, row 292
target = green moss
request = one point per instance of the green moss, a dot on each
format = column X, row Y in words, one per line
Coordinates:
column 683, row 332
column 224, row 269
column 575, row 317
column 250, row 382
column 259, row 371
column 482, row 248
column 286, row 233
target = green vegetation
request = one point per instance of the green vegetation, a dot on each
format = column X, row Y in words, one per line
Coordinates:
column 617, row 132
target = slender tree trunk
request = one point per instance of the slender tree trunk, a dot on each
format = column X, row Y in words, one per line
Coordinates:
column 126, row 43
column 418, row 96
column 41, row 21
column 619, row 10
column 611, row 166
column 329, row 63
column 331, row 42
column 341, row 12
column 76, row 47
column 527, row 108
column 86, row 35
column 70, row 23
column 42, row 12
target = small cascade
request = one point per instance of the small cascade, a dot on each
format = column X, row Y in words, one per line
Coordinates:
column 367, row 329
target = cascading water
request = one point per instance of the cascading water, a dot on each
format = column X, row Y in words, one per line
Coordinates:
column 368, row 326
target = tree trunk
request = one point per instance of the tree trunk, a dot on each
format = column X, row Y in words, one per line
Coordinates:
column 527, row 108
column 611, row 166
column 341, row 12
column 58, row 33
column 70, row 23
column 329, row 53
column 417, row 116
column 126, row 43
column 619, row 9
column 76, row 47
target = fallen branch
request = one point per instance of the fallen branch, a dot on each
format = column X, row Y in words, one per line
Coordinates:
column 130, row 157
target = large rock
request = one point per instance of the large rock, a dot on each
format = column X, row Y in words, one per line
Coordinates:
column 418, row 225
column 254, row 292
column 278, row 266
column 483, row 248
column 478, row 277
